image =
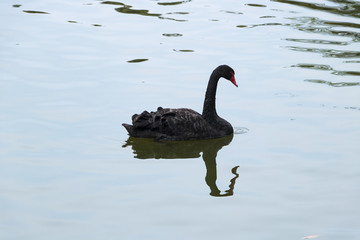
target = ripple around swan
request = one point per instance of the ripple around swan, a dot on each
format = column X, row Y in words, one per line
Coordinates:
column 240, row 130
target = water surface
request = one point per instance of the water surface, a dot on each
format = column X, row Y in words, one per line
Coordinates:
column 72, row 71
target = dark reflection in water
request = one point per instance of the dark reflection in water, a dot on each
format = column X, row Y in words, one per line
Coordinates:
column 138, row 60
column 344, row 7
column 317, row 41
column 173, row 3
column 128, row 9
column 35, row 12
column 348, row 29
column 327, row 68
column 316, row 45
column 172, row 34
column 183, row 50
column 255, row 5
column 149, row 149
column 334, row 84
column 318, row 26
column 328, row 52
column 331, row 29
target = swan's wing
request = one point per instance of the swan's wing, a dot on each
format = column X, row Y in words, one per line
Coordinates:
column 183, row 121
column 170, row 123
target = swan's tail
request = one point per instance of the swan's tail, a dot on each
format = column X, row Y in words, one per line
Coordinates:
column 128, row 128
column 149, row 125
column 141, row 122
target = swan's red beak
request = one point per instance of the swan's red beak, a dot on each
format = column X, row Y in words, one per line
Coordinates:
column 233, row 80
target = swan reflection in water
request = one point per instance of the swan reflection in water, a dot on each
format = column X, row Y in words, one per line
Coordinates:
column 150, row 149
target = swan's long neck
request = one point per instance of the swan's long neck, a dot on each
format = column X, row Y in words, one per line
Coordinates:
column 209, row 110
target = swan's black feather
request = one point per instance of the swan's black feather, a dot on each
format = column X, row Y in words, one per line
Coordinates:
column 174, row 124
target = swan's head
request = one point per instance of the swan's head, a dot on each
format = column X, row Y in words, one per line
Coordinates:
column 227, row 73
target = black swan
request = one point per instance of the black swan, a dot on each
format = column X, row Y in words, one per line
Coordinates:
column 184, row 123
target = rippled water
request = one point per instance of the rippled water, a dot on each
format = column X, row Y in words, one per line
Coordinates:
column 72, row 71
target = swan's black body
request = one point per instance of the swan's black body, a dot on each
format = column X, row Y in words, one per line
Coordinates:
column 183, row 123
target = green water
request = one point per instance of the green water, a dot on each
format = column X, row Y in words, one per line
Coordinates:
column 71, row 72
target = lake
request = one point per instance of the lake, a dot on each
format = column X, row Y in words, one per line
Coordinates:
column 71, row 72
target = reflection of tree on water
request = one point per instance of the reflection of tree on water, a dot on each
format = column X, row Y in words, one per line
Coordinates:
column 149, row 149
